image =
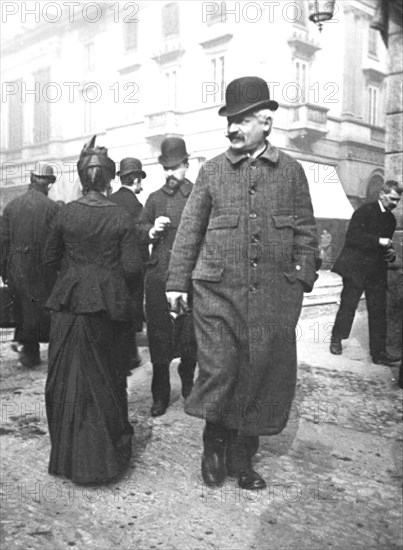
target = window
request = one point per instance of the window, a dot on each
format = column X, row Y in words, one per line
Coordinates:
column 373, row 99
column 130, row 35
column 373, row 42
column 171, row 88
column 15, row 119
column 89, row 97
column 41, row 109
column 301, row 79
column 89, row 56
column 170, row 20
column 218, row 76
column 296, row 12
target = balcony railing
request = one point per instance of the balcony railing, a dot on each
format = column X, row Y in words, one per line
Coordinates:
column 162, row 123
column 309, row 122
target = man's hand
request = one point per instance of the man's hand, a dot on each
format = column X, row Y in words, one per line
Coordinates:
column 178, row 303
column 160, row 224
column 383, row 241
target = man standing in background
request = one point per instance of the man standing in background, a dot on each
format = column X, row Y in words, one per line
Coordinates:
column 363, row 264
column 131, row 174
column 159, row 222
column 26, row 225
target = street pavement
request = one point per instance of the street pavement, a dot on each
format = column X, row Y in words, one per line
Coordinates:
column 334, row 475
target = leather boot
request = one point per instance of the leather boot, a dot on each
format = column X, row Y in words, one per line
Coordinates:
column 213, row 461
column 29, row 355
column 186, row 371
column 239, row 461
column 160, row 389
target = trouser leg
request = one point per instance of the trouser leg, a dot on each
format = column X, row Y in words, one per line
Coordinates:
column 349, row 300
column 160, row 385
column 186, row 370
column 375, row 295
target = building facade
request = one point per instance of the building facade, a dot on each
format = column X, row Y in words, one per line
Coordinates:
column 135, row 72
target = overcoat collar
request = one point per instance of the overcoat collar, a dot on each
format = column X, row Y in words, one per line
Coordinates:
column 93, row 198
column 271, row 154
column 184, row 187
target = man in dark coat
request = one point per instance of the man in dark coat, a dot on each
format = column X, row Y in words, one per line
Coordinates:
column 131, row 174
column 247, row 242
column 159, row 222
column 26, row 225
column 363, row 264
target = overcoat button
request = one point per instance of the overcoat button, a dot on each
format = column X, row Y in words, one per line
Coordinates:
column 253, row 215
column 298, row 267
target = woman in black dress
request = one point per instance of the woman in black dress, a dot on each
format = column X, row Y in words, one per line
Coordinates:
column 93, row 244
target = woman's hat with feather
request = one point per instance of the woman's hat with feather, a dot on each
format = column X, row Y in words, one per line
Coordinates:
column 92, row 156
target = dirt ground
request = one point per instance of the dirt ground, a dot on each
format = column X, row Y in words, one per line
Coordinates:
column 334, row 476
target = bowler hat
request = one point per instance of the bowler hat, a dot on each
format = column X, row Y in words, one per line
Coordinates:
column 173, row 152
column 131, row 165
column 44, row 170
column 245, row 94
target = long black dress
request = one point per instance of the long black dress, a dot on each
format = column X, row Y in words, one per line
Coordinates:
column 94, row 244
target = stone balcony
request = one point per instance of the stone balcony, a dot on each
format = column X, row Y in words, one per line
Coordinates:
column 308, row 123
column 162, row 123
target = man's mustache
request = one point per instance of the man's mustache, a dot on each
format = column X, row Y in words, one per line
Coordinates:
column 233, row 135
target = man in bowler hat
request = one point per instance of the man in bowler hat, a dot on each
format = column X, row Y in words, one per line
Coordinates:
column 26, row 224
column 247, row 245
column 131, row 174
column 159, row 221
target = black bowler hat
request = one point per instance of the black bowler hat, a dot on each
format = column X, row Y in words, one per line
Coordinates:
column 173, row 152
column 245, row 94
column 131, row 165
column 45, row 171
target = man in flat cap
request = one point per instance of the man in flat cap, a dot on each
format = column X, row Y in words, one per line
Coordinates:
column 247, row 244
column 131, row 174
column 26, row 225
column 159, row 222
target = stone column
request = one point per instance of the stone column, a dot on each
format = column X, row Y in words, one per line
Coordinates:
column 394, row 166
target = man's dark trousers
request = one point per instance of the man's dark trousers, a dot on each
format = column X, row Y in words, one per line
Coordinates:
column 375, row 295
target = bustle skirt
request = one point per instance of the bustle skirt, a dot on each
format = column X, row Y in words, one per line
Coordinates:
column 86, row 398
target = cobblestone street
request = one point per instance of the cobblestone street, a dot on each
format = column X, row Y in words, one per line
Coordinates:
column 334, row 475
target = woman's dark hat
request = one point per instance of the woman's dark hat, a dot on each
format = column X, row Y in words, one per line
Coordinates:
column 130, row 165
column 92, row 156
column 246, row 94
column 173, row 152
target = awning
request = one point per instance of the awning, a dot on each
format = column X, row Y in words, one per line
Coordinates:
column 328, row 197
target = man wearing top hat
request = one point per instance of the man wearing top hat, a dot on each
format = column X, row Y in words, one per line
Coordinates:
column 26, row 225
column 159, row 222
column 131, row 174
column 247, row 244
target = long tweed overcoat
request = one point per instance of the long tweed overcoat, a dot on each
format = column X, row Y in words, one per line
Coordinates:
column 247, row 241
column 166, row 339
column 26, row 224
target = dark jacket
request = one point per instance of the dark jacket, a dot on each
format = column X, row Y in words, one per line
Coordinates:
column 362, row 255
column 125, row 198
column 163, row 344
column 94, row 244
column 26, row 224
column 247, row 242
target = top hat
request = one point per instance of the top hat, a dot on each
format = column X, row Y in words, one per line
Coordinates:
column 245, row 94
column 131, row 165
column 44, row 170
column 173, row 152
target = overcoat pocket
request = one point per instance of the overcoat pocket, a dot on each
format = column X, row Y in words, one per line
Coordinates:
column 224, row 221
column 208, row 272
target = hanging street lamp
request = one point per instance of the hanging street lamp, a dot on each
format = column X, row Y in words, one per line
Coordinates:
column 321, row 11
